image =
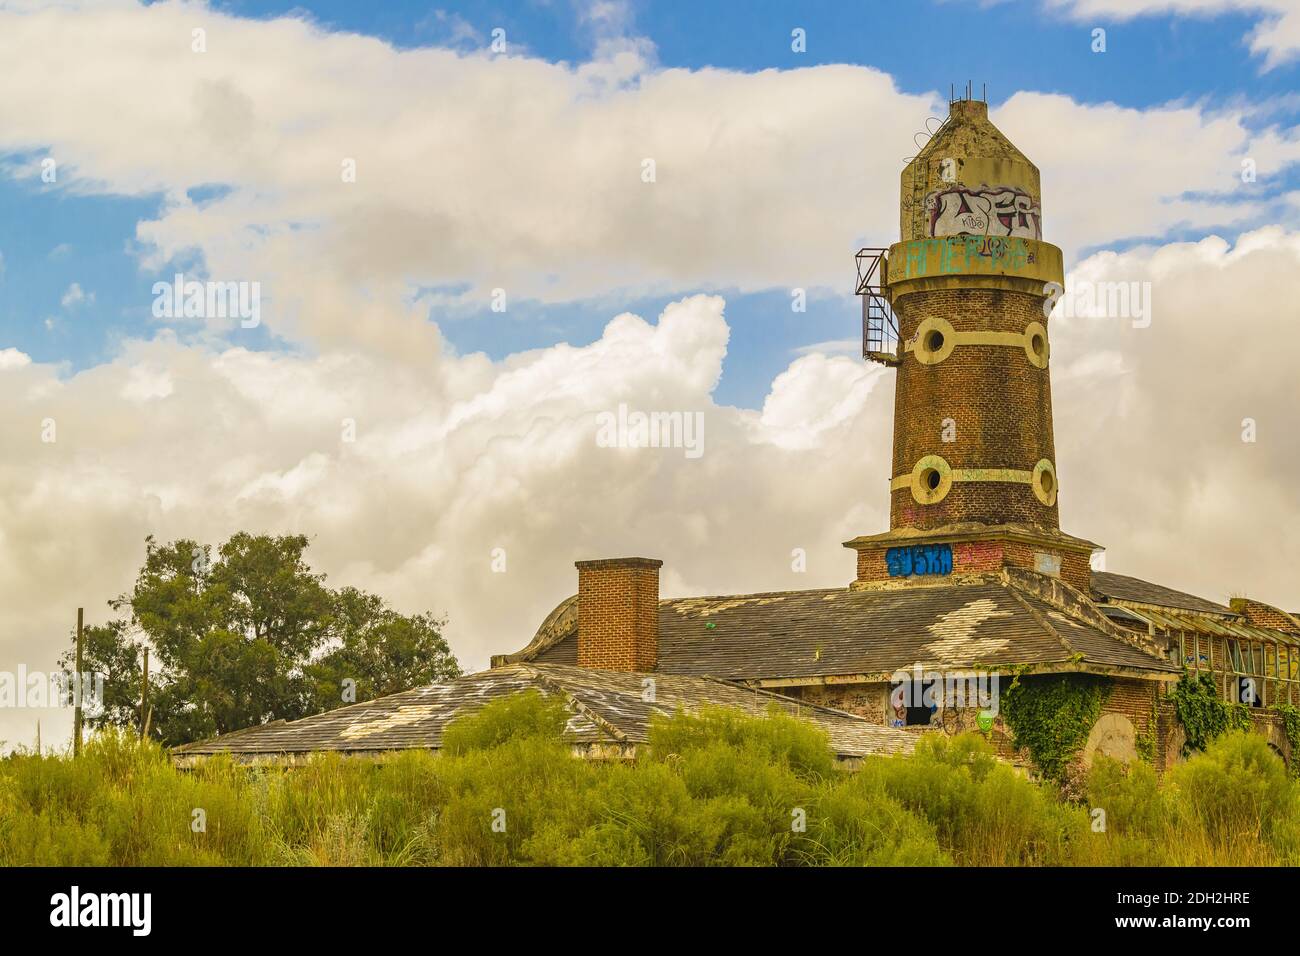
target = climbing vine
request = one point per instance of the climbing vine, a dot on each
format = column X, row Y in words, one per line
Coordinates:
column 1145, row 744
column 1052, row 716
column 1291, row 727
column 1204, row 713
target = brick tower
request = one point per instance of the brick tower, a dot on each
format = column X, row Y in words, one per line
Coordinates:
column 957, row 307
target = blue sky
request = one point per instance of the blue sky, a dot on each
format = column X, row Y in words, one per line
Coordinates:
column 55, row 236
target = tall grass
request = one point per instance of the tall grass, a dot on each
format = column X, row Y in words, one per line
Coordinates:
column 715, row 788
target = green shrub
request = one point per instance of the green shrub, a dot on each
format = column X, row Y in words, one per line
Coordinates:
column 856, row 823
column 1131, row 797
column 714, row 788
column 1239, row 799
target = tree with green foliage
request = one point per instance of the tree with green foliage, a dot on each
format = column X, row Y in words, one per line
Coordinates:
column 250, row 636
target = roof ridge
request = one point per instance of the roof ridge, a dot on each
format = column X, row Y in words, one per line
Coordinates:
column 1042, row 620
column 794, row 700
column 598, row 719
column 752, row 594
column 1021, row 579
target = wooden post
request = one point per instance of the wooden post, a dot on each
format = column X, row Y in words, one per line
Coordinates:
column 144, row 697
column 76, row 688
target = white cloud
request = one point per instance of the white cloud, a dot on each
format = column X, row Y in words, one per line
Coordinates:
column 450, row 461
column 526, row 175
column 75, row 296
column 1149, row 421
column 1276, row 37
column 764, row 180
column 1112, row 172
column 466, row 455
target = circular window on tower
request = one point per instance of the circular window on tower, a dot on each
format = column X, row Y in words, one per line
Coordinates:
column 931, row 480
column 935, row 340
column 1044, row 482
column 1036, row 344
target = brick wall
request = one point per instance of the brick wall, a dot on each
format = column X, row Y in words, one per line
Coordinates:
column 1263, row 615
column 999, row 402
column 618, row 614
column 1141, row 702
column 983, row 557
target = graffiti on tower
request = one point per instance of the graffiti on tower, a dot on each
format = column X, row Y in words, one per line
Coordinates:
column 919, row 559
column 962, row 255
column 984, row 211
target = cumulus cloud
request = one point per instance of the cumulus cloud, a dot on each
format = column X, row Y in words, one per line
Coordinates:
column 75, row 295
column 1276, row 36
column 469, row 455
column 476, row 173
column 448, row 463
column 1151, row 421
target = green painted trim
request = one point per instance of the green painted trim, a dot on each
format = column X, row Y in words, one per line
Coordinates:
column 970, row 257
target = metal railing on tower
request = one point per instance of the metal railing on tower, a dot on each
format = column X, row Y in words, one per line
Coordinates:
column 879, row 327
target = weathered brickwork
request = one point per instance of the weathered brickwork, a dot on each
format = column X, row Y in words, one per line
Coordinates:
column 1264, row 615
column 1075, row 567
column 991, row 401
column 982, row 557
column 1146, row 719
column 618, row 614
column 865, row 700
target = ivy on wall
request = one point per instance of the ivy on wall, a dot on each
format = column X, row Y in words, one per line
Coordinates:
column 1051, row 717
column 1145, row 742
column 1203, row 712
column 1291, row 727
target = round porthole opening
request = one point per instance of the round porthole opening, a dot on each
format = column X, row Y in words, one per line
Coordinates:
column 931, row 480
column 1043, row 482
column 1036, row 347
column 934, row 340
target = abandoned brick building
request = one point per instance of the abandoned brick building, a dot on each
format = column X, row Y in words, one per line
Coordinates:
column 974, row 576
column 974, row 580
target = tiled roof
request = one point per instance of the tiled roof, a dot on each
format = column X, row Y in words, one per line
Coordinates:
column 608, row 709
column 808, row 634
column 1121, row 587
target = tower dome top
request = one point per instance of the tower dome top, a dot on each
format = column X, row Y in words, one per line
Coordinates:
column 969, row 179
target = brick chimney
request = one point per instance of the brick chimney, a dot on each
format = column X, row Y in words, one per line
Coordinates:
column 618, row 614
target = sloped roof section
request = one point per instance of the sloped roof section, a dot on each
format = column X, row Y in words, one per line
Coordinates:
column 842, row 632
column 1121, row 587
column 611, row 711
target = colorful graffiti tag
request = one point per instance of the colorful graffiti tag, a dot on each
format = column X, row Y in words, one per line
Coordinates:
column 959, row 255
column 986, row 211
column 919, row 559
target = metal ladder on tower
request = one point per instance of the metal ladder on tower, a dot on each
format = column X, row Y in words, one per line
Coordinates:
column 879, row 326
